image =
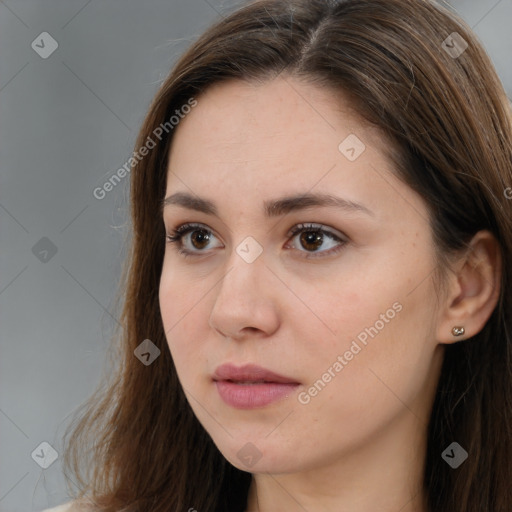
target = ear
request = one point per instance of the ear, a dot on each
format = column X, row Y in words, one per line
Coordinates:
column 473, row 289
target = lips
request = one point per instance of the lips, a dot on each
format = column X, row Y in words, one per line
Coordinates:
column 251, row 386
column 249, row 373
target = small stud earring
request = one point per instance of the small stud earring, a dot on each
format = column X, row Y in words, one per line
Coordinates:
column 458, row 331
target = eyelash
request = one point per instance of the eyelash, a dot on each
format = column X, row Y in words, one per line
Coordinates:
column 176, row 238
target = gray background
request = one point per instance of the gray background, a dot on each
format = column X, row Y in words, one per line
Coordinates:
column 67, row 123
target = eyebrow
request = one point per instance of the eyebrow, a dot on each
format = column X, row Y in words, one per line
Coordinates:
column 273, row 208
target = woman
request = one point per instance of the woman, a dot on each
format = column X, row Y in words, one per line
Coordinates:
column 319, row 291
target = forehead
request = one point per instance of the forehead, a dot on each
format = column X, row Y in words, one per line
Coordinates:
column 250, row 113
column 247, row 142
column 283, row 124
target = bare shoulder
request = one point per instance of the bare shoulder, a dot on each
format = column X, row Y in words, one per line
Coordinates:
column 72, row 506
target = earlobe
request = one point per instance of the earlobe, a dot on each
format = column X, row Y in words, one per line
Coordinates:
column 473, row 290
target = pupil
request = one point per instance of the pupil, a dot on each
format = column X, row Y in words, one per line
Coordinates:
column 311, row 238
column 202, row 236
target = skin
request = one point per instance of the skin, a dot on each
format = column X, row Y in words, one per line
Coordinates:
column 358, row 444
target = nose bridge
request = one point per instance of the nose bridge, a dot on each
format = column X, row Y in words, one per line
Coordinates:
column 245, row 270
column 242, row 299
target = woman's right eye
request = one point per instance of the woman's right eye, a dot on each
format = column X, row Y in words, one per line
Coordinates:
column 199, row 239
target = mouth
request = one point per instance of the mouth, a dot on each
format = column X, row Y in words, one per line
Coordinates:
column 249, row 382
column 251, row 386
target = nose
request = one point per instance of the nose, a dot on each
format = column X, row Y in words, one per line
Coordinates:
column 246, row 300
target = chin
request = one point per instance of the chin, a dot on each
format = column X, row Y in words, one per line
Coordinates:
column 259, row 457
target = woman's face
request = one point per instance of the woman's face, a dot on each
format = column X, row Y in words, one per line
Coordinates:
column 344, row 310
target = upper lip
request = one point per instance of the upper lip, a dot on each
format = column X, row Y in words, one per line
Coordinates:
column 249, row 373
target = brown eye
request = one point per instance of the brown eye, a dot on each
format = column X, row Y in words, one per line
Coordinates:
column 316, row 241
column 199, row 238
column 192, row 239
column 311, row 240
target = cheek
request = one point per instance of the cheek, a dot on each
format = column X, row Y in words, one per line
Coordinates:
column 174, row 305
column 183, row 306
column 381, row 353
column 378, row 318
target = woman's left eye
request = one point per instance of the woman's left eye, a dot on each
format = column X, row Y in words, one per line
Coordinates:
column 311, row 237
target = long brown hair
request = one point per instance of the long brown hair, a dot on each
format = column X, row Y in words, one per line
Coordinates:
column 138, row 440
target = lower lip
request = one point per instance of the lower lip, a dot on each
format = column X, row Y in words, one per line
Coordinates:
column 251, row 396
